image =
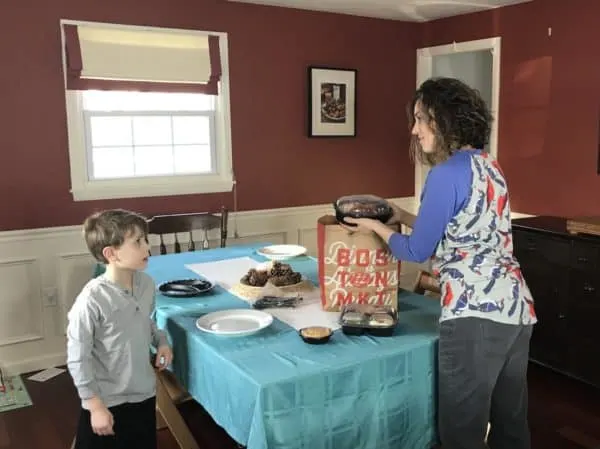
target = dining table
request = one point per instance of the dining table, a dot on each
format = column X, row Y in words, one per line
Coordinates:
column 271, row 390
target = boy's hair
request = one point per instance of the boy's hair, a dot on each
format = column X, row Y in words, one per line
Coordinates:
column 110, row 228
column 457, row 115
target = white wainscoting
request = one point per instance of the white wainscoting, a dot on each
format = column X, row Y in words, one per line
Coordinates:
column 43, row 270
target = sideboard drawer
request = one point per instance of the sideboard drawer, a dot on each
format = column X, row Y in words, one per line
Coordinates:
column 585, row 255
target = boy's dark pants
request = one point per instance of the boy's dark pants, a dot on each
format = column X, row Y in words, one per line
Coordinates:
column 134, row 427
column 483, row 376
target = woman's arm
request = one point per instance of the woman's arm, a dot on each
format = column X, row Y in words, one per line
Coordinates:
column 445, row 193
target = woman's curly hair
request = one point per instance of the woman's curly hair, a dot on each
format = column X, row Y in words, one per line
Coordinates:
column 457, row 115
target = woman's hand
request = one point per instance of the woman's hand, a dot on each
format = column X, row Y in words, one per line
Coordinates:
column 362, row 224
column 369, row 224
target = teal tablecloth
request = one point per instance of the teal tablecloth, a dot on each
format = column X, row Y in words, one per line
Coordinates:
column 273, row 391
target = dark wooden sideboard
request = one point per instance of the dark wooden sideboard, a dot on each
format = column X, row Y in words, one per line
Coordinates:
column 563, row 274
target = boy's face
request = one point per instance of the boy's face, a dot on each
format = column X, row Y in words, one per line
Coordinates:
column 133, row 253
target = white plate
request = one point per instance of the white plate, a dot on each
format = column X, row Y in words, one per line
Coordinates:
column 281, row 252
column 235, row 322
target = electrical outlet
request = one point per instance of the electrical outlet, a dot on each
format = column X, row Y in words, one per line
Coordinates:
column 50, row 295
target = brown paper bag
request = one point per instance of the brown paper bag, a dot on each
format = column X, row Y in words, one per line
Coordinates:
column 354, row 267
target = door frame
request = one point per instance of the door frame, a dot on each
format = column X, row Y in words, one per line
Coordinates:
column 425, row 71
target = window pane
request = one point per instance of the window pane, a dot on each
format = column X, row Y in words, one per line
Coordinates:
column 190, row 130
column 154, row 160
column 193, row 159
column 152, row 130
column 111, row 131
column 112, row 162
column 99, row 100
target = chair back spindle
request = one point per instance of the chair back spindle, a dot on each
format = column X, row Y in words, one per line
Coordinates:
column 427, row 283
column 163, row 248
column 177, row 245
column 187, row 223
column 191, row 245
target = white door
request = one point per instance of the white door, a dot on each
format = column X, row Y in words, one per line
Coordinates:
column 477, row 63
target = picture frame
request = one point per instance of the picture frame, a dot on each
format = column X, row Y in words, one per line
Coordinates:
column 331, row 102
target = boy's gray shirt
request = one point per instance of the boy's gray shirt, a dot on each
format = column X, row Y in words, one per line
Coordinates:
column 109, row 335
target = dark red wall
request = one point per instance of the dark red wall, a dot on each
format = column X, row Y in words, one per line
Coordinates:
column 276, row 164
column 549, row 99
column 548, row 130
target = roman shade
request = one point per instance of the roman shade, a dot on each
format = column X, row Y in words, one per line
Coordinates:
column 114, row 58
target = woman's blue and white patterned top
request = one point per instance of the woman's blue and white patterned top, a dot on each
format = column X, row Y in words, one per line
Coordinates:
column 464, row 222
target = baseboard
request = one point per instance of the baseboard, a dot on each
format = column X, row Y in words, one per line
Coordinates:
column 35, row 363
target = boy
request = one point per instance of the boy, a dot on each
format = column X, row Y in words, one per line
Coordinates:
column 109, row 337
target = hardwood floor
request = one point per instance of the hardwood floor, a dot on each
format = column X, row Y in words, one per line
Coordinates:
column 564, row 414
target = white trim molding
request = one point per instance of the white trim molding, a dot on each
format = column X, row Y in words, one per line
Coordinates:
column 425, row 71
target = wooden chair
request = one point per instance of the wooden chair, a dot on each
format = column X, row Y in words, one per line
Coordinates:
column 186, row 223
column 169, row 394
column 427, row 283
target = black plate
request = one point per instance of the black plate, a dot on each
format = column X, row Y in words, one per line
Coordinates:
column 185, row 288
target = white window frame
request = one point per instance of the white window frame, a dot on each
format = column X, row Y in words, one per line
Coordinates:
column 84, row 189
column 425, row 71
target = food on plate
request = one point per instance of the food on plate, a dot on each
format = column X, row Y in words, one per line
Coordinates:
column 279, row 274
column 335, row 109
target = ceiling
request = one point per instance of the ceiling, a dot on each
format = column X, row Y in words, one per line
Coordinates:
column 407, row 10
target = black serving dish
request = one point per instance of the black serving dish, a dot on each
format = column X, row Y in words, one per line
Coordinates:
column 315, row 335
column 362, row 206
column 185, row 288
column 357, row 319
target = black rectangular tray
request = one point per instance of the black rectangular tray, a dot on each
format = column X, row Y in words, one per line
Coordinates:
column 357, row 319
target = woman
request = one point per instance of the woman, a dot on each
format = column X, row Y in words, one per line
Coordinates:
column 487, row 310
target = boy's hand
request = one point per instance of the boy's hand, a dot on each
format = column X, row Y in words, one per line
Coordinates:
column 102, row 419
column 164, row 357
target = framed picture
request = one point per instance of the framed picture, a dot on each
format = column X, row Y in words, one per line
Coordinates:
column 331, row 102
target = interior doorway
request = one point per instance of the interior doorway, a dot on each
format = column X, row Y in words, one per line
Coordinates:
column 477, row 63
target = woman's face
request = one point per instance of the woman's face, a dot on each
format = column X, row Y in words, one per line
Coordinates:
column 422, row 129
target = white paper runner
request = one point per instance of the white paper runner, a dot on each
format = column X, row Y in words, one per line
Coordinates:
column 228, row 273
column 308, row 313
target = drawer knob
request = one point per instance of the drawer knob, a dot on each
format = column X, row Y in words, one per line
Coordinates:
column 588, row 288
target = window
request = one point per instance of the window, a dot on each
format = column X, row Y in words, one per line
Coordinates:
column 133, row 143
column 136, row 134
